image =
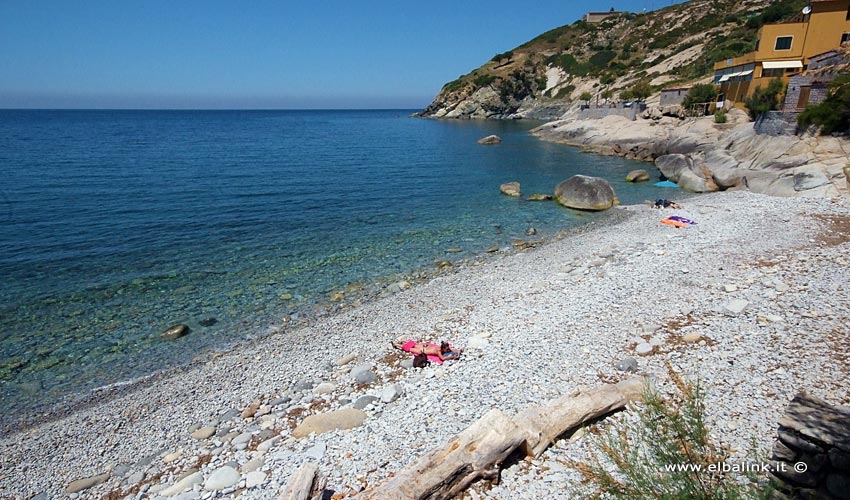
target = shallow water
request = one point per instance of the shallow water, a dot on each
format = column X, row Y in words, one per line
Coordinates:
column 116, row 224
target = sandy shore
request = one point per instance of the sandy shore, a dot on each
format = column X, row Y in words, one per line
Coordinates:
column 546, row 321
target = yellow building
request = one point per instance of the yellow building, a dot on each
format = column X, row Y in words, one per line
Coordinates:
column 784, row 49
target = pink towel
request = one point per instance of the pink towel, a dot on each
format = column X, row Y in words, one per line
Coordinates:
column 410, row 344
column 432, row 358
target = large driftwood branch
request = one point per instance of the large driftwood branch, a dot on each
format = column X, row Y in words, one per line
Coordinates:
column 544, row 423
column 448, row 470
column 306, row 484
column 480, row 450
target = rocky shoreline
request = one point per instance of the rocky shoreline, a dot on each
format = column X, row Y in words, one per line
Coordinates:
column 703, row 156
column 751, row 301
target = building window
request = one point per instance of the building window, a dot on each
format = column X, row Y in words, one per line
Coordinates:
column 783, row 43
column 772, row 73
column 848, row 14
column 845, row 37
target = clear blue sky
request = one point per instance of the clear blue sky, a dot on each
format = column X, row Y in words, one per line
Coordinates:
column 259, row 54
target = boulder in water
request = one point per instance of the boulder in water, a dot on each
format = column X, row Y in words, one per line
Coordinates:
column 175, row 332
column 639, row 175
column 510, row 188
column 583, row 192
column 539, row 197
column 490, row 139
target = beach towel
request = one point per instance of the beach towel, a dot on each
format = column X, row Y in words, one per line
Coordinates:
column 677, row 221
column 407, row 346
column 679, row 218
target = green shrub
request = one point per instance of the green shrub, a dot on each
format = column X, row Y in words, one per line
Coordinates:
column 483, row 80
column 585, row 96
column 720, row 116
column 602, row 58
column 568, row 63
column 641, row 90
column 565, row 92
column 453, row 85
column 504, row 55
column 699, row 93
column 651, row 458
column 832, row 115
column 764, row 99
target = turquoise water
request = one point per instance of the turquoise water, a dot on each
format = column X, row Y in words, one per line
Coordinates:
column 116, row 224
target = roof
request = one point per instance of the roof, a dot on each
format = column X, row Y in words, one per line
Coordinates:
column 671, row 89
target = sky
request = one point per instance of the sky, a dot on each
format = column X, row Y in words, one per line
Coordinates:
column 284, row 54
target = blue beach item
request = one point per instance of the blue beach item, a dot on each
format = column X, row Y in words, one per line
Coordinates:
column 667, row 184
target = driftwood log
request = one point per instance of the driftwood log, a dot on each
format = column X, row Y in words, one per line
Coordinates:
column 448, row 470
column 306, row 484
column 544, row 423
column 479, row 451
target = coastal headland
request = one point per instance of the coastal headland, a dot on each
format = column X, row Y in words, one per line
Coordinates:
column 750, row 301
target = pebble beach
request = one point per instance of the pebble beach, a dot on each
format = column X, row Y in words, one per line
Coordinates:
column 751, row 301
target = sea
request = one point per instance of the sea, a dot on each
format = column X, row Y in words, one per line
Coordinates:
column 115, row 225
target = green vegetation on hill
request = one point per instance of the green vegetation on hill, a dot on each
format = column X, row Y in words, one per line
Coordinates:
column 618, row 52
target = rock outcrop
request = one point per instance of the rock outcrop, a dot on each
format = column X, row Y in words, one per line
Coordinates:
column 703, row 156
column 586, row 193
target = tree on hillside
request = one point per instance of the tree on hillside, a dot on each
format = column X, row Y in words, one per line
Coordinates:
column 700, row 93
column 833, row 114
column 764, row 99
column 586, row 97
column 641, row 90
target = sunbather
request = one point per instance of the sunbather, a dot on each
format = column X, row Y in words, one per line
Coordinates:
column 666, row 204
column 443, row 352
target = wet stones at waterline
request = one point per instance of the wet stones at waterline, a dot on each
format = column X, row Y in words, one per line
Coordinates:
column 175, row 332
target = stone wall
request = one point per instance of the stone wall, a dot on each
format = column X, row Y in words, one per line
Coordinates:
column 776, row 123
column 812, row 454
column 594, row 113
column 817, row 94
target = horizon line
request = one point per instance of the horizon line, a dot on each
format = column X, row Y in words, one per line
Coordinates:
column 208, row 109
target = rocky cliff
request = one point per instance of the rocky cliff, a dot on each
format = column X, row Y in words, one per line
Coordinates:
column 546, row 76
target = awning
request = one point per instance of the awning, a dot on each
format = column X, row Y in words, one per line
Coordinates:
column 744, row 73
column 725, row 78
column 782, row 64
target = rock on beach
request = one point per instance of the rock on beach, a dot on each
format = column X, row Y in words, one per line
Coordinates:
column 86, row 483
column 346, row 418
column 583, row 192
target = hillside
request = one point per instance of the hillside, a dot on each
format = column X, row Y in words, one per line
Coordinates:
column 546, row 75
